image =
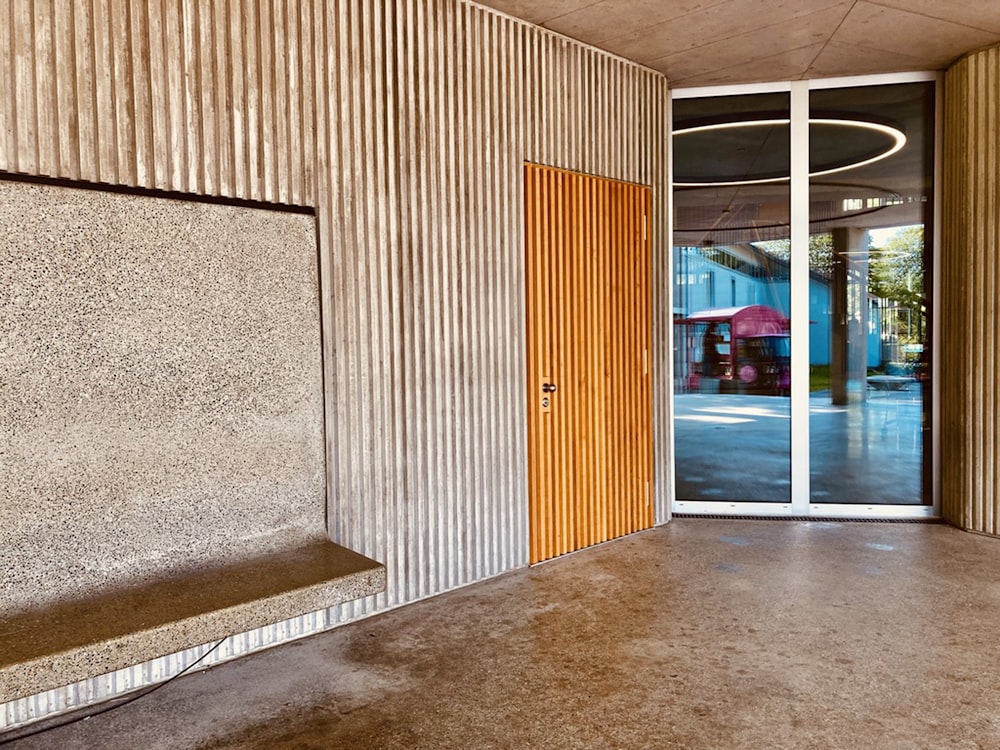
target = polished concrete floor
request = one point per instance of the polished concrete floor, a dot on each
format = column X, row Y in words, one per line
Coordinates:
column 699, row 634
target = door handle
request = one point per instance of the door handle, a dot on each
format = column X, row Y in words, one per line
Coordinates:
column 548, row 388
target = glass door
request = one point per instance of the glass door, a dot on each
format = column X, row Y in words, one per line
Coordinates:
column 802, row 318
column 731, row 299
column 870, row 211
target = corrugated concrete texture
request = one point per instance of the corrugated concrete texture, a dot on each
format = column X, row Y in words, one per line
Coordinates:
column 970, row 278
column 406, row 123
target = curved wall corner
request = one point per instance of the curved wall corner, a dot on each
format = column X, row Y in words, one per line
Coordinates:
column 970, row 285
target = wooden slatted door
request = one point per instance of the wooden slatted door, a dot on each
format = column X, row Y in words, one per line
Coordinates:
column 590, row 443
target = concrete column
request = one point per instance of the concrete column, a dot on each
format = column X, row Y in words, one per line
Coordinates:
column 969, row 316
column 849, row 303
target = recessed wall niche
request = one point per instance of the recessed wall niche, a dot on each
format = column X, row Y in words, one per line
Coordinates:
column 161, row 395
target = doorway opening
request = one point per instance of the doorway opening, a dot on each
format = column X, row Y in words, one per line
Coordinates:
column 589, row 403
column 810, row 208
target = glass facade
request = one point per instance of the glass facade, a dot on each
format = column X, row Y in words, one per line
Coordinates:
column 870, row 206
column 870, row 209
column 731, row 298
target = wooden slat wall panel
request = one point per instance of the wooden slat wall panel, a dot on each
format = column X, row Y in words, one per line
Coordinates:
column 588, row 332
column 970, row 283
column 406, row 123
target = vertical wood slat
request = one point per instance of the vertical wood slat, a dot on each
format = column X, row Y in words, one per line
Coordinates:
column 970, row 277
column 587, row 330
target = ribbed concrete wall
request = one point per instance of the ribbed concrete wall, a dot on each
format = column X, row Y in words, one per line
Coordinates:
column 970, row 285
column 406, row 123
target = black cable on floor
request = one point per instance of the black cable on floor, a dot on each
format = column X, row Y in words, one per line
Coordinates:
column 112, row 706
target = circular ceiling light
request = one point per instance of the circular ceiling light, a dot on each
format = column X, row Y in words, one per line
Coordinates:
column 756, row 152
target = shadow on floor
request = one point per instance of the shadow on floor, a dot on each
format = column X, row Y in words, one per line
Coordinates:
column 699, row 634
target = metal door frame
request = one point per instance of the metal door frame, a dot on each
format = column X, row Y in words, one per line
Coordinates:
column 800, row 505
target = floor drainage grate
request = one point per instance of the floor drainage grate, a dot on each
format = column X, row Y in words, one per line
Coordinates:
column 825, row 519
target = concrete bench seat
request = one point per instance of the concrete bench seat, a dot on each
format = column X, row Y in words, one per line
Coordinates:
column 67, row 641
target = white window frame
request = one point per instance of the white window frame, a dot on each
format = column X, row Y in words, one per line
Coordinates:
column 800, row 505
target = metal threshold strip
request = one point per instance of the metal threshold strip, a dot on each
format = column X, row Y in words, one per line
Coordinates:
column 822, row 519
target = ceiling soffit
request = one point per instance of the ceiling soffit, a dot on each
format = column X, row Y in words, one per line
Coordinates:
column 709, row 42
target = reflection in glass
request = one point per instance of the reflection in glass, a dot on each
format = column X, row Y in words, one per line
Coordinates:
column 869, row 333
column 732, row 416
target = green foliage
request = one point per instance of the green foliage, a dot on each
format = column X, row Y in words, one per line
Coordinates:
column 896, row 273
column 896, row 270
column 819, row 378
column 820, row 251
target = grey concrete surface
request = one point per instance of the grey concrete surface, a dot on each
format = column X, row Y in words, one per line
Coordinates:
column 161, row 395
column 700, row 634
column 60, row 644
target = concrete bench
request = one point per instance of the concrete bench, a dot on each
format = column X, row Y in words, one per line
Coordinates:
column 67, row 641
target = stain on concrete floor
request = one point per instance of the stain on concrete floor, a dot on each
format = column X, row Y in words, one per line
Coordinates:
column 642, row 643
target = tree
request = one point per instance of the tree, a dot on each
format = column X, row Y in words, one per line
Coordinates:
column 820, row 251
column 896, row 273
column 896, row 270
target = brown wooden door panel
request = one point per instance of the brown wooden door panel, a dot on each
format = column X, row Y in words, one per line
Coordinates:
column 588, row 332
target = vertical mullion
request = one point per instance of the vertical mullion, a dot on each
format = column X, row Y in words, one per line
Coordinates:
column 799, row 211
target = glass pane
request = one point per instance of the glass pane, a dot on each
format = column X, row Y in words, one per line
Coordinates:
column 732, row 415
column 871, row 157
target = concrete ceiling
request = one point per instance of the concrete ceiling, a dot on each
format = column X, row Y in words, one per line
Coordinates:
column 709, row 42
